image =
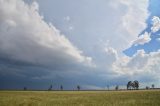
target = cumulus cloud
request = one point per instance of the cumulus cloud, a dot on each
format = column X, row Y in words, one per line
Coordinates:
column 158, row 39
column 140, row 66
column 134, row 20
column 141, row 40
column 132, row 17
column 27, row 40
column 26, row 37
column 67, row 18
column 112, row 56
column 146, row 37
column 156, row 24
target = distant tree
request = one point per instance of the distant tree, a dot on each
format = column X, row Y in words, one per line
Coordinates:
column 147, row 87
column 117, row 87
column 108, row 87
column 129, row 85
column 25, row 88
column 152, row 86
column 136, row 84
column 50, row 88
column 78, row 87
column 61, row 87
column 133, row 85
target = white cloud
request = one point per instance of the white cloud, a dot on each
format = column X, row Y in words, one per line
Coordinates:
column 132, row 16
column 71, row 28
column 67, row 18
column 145, row 38
column 140, row 66
column 111, row 54
column 141, row 40
column 156, row 24
column 134, row 20
column 158, row 39
column 25, row 36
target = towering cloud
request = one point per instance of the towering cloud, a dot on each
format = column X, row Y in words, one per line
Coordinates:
column 141, row 66
column 26, row 37
column 31, row 47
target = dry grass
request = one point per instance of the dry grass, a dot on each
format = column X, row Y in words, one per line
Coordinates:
column 80, row 98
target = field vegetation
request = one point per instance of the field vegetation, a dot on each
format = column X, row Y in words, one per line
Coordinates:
column 80, row 98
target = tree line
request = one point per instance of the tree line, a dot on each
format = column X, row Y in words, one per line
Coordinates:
column 61, row 88
column 131, row 85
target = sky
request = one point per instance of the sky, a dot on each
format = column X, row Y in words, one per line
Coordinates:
column 91, row 43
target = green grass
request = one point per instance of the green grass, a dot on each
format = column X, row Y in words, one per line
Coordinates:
column 80, row 98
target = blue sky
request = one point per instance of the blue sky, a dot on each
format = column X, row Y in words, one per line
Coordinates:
column 88, row 43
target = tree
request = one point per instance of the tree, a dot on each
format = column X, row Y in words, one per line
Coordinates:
column 152, row 86
column 61, row 87
column 133, row 85
column 136, row 84
column 78, row 87
column 147, row 87
column 25, row 88
column 117, row 87
column 108, row 87
column 129, row 85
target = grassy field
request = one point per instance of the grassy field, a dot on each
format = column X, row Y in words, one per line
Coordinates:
column 80, row 98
